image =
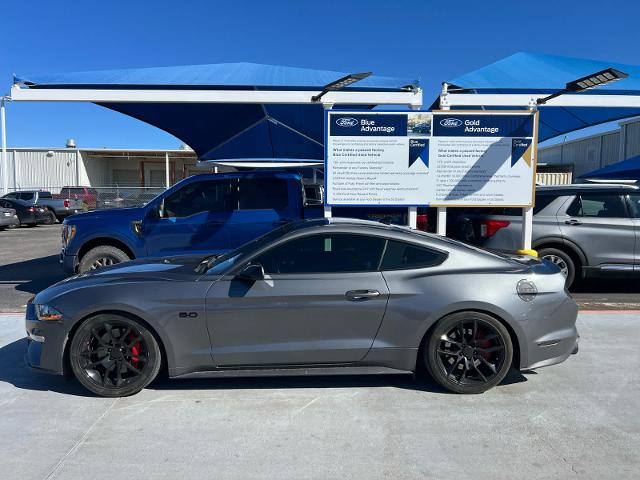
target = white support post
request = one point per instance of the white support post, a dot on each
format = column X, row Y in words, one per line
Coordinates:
column 167, row 177
column 441, row 219
column 327, row 208
column 78, row 159
column 527, row 227
column 5, row 161
column 413, row 217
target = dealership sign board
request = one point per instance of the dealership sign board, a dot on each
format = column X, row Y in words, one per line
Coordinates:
column 440, row 158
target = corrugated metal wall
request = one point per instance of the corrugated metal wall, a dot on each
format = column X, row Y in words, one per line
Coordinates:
column 49, row 170
column 596, row 151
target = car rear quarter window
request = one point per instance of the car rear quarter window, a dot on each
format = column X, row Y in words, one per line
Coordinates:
column 401, row 255
column 324, row 253
column 634, row 202
column 598, row 205
column 263, row 194
column 26, row 196
column 542, row 202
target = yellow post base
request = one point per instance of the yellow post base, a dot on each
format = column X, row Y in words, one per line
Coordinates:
column 533, row 253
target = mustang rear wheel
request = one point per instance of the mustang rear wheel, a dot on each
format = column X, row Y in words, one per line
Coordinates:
column 114, row 356
column 468, row 352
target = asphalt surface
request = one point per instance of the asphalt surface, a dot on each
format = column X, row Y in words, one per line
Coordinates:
column 579, row 418
column 29, row 263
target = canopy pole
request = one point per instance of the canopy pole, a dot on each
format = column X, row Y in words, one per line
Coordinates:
column 166, row 170
column 327, row 208
column 441, row 218
column 5, row 162
column 412, row 214
column 527, row 212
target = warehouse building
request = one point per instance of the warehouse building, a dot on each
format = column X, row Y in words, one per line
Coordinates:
column 563, row 162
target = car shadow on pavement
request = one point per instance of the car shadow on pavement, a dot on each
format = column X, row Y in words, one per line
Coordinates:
column 13, row 370
column 34, row 275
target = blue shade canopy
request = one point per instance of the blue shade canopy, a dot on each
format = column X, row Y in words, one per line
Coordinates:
column 625, row 170
column 226, row 130
column 534, row 73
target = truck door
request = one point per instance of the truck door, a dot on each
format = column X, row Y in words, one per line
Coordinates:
column 192, row 219
column 634, row 207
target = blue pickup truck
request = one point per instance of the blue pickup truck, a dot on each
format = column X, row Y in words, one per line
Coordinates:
column 204, row 214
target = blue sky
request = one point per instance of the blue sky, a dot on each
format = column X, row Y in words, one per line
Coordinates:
column 428, row 40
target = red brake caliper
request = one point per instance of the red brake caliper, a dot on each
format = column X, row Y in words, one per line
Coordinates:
column 483, row 344
column 136, row 350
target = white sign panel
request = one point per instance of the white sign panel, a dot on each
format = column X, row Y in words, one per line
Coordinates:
column 483, row 159
column 377, row 158
column 439, row 158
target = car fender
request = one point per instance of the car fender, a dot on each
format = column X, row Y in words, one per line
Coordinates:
column 478, row 306
column 564, row 241
column 137, row 248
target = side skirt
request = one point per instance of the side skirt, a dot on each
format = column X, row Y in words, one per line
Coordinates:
column 292, row 371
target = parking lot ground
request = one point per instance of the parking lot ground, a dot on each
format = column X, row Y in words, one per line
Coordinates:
column 29, row 264
column 577, row 418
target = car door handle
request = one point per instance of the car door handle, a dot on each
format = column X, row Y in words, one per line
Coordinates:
column 361, row 294
column 573, row 221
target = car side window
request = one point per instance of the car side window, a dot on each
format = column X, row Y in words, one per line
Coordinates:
column 197, row 197
column 26, row 196
column 11, row 195
column 634, row 201
column 598, row 205
column 324, row 253
column 401, row 255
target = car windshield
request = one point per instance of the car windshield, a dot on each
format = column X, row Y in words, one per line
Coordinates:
column 219, row 263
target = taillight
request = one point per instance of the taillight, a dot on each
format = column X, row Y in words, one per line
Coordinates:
column 488, row 228
column 421, row 223
column 32, row 209
column 66, row 203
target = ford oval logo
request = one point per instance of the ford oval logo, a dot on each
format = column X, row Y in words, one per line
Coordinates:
column 450, row 122
column 346, row 122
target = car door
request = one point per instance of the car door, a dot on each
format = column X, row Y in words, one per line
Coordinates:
column 260, row 205
column 321, row 302
column 192, row 219
column 600, row 224
column 634, row 207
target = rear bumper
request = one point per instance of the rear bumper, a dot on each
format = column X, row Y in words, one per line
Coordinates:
column 552, row 334
column 9, row 221
column 68, row 212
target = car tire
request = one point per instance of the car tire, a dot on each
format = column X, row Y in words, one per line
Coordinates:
column 51, row 218
column 468, row 352
column 563, row 261
column 102, row 256
column 114, row 356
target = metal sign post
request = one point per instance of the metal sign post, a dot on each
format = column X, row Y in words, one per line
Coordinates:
column 5, row 162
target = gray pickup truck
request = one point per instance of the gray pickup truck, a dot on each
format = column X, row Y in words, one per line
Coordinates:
column 60, row 207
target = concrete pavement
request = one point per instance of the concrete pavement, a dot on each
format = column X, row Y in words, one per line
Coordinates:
column 579, row 417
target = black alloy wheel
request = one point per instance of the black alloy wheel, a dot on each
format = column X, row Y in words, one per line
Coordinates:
column 469, row 352
column 114, row 356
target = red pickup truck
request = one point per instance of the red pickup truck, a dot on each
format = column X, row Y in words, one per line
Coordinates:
column 87, row 195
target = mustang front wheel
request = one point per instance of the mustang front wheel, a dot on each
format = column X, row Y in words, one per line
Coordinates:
column 114, row 356
column 469, row 352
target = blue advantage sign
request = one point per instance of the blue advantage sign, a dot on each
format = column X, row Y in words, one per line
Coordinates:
column 439, row 158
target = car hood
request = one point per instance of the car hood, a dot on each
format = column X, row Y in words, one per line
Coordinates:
column 165, row 269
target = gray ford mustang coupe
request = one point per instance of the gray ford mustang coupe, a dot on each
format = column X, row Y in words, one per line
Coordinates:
column 317, row 296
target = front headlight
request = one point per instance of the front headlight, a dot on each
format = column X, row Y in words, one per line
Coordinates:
column 46, row 313
column 68, row 232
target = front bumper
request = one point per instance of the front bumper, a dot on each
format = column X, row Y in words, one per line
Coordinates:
column 69, row 263
column 45, row 343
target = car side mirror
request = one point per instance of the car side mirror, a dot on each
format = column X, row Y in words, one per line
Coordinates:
column 251, row 273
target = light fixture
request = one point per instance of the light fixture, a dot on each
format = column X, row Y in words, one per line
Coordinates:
column 341, row 83
column 585, row 83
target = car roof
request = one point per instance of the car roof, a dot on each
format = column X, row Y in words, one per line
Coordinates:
column 585, row 187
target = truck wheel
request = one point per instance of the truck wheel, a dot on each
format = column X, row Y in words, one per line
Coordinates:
column 102, row 256
column 562, row 260
column 51, row 218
